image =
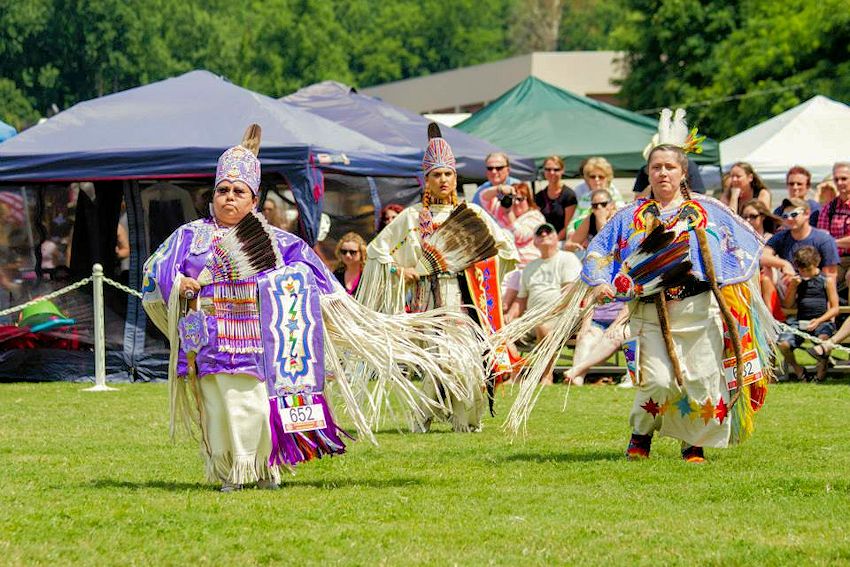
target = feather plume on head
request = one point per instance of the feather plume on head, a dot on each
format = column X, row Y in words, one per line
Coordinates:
column 673, row 130
column 240, row 163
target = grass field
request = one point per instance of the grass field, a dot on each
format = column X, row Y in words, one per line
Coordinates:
column 93, row 479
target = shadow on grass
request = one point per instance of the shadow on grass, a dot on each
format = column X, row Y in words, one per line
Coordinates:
column 570, row 457
column 285, row 483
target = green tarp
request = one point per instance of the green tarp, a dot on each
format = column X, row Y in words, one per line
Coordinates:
column 537, row 119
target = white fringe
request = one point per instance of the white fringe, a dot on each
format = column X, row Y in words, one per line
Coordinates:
column 381, row 353
column 566, row 317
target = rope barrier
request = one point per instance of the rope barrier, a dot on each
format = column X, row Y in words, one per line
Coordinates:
column 49, row 296
column 813, row 339
column 122, row 287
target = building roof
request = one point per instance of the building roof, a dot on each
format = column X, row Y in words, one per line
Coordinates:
column 590, row 73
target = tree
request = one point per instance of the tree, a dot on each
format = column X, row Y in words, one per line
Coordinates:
column 734, row 63
column 586, row 25
column 534, row 26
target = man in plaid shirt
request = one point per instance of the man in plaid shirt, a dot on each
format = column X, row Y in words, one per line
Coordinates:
column 835, row 219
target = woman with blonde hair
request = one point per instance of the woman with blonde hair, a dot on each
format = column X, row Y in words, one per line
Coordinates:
column 350, row 257
column 598, row 174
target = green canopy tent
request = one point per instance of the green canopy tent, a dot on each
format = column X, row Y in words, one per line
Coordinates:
column 537, row 119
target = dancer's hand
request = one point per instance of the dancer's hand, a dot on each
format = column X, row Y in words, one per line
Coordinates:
column 604, row 293
column 189, row 287
column 410, row 276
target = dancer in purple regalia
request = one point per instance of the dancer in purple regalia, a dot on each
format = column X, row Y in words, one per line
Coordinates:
column 250, row 352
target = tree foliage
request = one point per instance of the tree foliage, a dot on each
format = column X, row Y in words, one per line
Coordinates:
column 732, row 63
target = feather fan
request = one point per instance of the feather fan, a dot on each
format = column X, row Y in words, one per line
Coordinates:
column 246, row 250
column 457, row 244
column 660, row 261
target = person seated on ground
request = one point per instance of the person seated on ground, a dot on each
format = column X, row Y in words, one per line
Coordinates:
column 816, row 300
column 557, row 201
column 766, row 225
column 514, row 209
column 779, row 252
column 798, row 181
column 744, row 184
column 598, row 337
column 351, row 257
column 835, row 219
column 543, row 279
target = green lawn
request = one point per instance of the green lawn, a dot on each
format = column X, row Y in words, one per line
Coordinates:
column 91, row 478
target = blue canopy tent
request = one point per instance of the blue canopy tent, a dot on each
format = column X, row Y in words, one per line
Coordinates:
column 170, row 130
column 396, row 126
column 6, row 131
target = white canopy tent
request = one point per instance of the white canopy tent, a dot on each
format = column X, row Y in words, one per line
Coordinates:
column 814, row 134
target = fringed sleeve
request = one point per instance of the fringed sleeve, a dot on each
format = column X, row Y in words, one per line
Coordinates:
column 161, row 300
column 379, row 354
column 565, row 317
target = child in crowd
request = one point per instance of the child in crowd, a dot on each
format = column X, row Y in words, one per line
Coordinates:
column 816, row 299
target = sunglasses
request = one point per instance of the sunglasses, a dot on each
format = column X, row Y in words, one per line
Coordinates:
column 496, row 167
column 345, row 252
column 520, row 199
column 752, row 216
column 600, row 204
column 793, row 214
column 552, row 169
column 597, row 176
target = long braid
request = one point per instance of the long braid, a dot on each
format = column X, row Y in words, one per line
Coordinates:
column 725, row 312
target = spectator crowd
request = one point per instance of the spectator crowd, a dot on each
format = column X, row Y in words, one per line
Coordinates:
column 805, row 265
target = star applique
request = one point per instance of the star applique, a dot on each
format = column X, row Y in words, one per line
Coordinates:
column 664, row 407
column 695, row 410
column 721, row 411
column 651, row 407
column 706, row 411
column 684, row 405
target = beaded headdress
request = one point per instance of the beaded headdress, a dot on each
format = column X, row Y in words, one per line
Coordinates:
column 240, row 163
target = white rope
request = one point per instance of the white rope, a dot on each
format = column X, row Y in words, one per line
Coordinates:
column 815, row 340
column 51, row 295
column 122, row 287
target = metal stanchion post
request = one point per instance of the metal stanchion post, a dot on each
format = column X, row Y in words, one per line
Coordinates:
column 99, row 333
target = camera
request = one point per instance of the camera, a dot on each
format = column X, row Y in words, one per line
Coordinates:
column 506, row 201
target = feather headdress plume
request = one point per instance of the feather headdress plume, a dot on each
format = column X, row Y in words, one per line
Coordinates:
column 673, row 130
column 457, row 244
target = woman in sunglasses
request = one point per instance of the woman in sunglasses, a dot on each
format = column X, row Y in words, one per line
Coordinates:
column 516, row 212
column 350, row 257
column 765, row 224
column 598, row 337
column 602, row 208
column 557, row 202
